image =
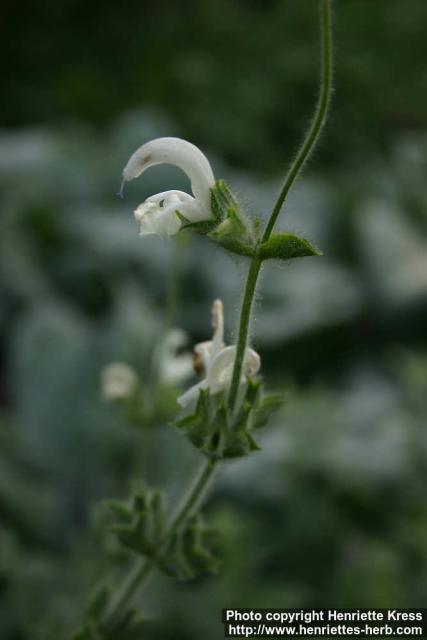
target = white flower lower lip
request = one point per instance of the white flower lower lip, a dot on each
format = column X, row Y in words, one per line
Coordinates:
column 158, row 214
column 216, row 361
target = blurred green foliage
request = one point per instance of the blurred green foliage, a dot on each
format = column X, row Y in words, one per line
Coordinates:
column 238, row 77
column 332, row 512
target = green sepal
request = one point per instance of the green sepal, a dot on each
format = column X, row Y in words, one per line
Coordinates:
column 222, row 199
column 269, row 404
column 202, row 226
column 198, row 425
column 191, row 551
column 240, row 443
column 234, row 234
column 228, row 227
column 253, row 391
column 139, row 523
column 285, row 246
column 211, row 429
column 233, row 230
column 206, row 427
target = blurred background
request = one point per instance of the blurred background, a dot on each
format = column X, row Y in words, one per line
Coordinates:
column 333, row 511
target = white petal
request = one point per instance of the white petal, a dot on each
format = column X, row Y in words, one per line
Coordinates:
column 153, row 218
column 202, row 353
column 251, row 363
column 191, row 394
column 220, row 370
column 193, row 211
column 218, row 326
column 183, row 203
column 177, row 196
column 178, row 152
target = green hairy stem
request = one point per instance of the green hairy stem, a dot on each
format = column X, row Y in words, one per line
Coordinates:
column 294, row 171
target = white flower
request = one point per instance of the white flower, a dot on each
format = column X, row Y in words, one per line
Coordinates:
column 118, row 381
column 174, row 366
column 216, row 361
column 158, row 214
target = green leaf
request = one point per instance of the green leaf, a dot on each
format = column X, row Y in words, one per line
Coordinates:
column 285, row 246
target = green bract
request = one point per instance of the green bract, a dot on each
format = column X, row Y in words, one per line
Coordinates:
column 140, row 526
column 211, row 430
column 285, row 246
column 230, row 228
column 190, row 551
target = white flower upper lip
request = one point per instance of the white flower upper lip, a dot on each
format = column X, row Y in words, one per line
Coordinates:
column 216, row 360
column 158, row 213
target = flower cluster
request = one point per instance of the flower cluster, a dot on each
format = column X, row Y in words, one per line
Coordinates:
column 212, row 210
column 215, row 361
column 165, row 214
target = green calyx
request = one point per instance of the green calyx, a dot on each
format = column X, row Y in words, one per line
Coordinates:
column 228, row 227
column 140, row 526
column 190, row 552
column 210, row 429
column 231, row 229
